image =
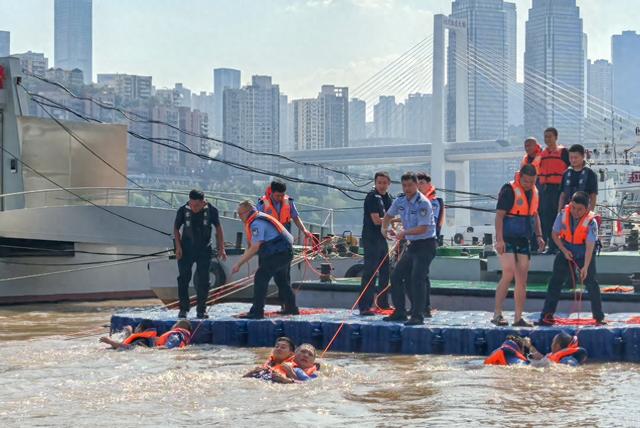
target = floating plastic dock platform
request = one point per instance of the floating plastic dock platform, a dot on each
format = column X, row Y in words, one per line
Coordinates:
column 458, row 333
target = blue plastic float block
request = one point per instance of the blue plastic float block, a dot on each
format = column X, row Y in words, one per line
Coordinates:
column 459, row 333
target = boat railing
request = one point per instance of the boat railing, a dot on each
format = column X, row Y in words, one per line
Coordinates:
column 317, row 219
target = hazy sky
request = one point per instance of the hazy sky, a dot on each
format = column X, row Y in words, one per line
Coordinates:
column 301, row 43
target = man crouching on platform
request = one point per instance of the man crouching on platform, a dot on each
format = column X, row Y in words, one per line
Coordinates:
column 575, row 232
column 269, row 239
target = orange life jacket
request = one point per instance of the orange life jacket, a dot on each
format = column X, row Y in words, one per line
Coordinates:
column 284, row 216
column 521, row 206
column 247, row 226
column 147, row 334
column 536, row 160
column 186, row 337
column 552, row 167
column 570, row 350
column 578, row 236
column 270, row 364
column 499, row 357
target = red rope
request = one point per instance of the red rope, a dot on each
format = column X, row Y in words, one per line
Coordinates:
column 577, row 301
column 364, row 290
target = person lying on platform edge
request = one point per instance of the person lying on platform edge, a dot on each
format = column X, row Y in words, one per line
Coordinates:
column 518, row 350
column 575, row 232
column 179, row 336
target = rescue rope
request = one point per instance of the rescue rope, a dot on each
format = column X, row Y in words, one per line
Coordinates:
column 577, row 300
column 362, row 293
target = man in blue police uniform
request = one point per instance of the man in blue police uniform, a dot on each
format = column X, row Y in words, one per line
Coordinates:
column 575, row 231
column 375, row 246
column 412, row 270
column 196, row 218
column 273, row 244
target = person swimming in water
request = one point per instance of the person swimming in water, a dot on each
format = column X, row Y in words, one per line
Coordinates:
column 142, row 335
column 302, row 368
column 564, row 350
column 178, row 337
column 513, row 351
column 283, row 351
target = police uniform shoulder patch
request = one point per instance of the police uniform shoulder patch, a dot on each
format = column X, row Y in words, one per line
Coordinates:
column 423, row 212
column 255, row 230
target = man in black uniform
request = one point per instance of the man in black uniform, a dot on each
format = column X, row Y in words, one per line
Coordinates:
column 196, row 218
column 579, row 177
column 375, row 246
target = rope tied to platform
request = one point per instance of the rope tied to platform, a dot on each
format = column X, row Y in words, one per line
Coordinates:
column 362, row 293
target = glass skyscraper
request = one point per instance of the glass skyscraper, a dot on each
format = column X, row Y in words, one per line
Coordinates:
column 554, row 76
column 73, row 36
column 625, row 58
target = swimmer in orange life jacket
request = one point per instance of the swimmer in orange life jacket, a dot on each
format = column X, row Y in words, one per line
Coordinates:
column 513, row 351
column 302, row 368
column 178, row 337
column 142, row 335
column 564, row 350
column 283, row 351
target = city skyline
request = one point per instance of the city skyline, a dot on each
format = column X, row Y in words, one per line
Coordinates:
column 353, row 51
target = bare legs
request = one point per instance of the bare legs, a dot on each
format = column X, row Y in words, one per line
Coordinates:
column 512, row 268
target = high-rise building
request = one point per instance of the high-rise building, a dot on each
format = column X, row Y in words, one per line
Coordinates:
column 205, row 102
column 223, row 78
column 308, row 124
column 600, row 85
column 196, row 124
column 600, row 98
column 285, row 138
column 251, row 120
column 73, row 36
column 488, row 60
column 334, row 107
column 554, row 70
column 625, row 58
column 165, row 160
column 184, row 95
column 511, row 39
column 128, row 87
column 515, row 100
column 357, row 119
column 388, row 118
column 5, row 43
column 418, row 117
column 322, row 122
column 33, row 62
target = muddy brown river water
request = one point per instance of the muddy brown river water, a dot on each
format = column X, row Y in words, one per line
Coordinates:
column 48, row 380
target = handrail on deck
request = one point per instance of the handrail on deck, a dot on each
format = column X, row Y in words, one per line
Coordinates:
column 164, row 199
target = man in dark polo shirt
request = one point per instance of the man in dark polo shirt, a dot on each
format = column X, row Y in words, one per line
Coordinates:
column 578, row 178
column 193, row 245
column 375, row 246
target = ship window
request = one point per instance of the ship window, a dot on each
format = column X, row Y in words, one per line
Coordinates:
column 14, row 247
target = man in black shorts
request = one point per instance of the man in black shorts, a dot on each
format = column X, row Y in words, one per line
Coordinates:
column 516, row 219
